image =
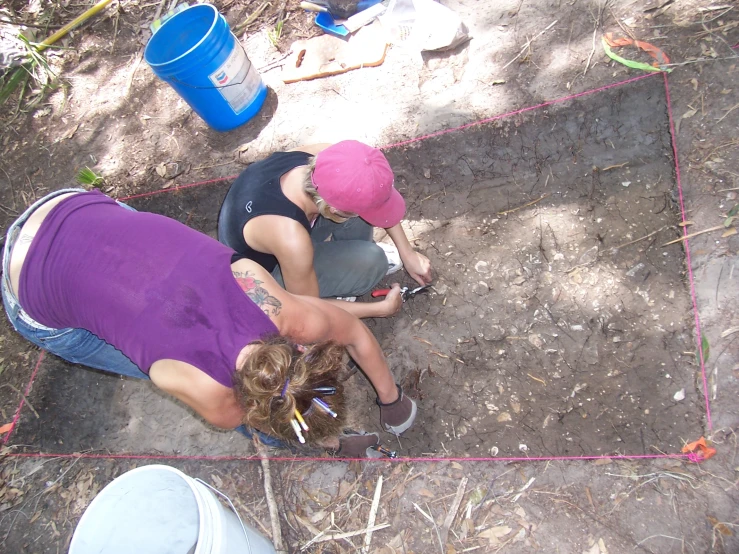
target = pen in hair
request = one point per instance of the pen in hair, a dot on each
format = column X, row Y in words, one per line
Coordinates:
column 325, row 407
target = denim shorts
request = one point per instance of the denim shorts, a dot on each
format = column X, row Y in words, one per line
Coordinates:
column 77, row 346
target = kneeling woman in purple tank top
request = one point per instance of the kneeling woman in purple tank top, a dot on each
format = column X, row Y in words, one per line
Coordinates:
column 140, row 294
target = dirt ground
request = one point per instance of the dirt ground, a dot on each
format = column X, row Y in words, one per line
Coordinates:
column 559, row 324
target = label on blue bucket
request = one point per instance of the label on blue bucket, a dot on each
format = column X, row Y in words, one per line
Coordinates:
column 237, row 79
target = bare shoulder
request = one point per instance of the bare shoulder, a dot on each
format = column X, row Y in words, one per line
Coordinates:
column 272, row 233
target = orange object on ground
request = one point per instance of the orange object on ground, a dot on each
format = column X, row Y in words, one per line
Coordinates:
column 650, row 49
column 701, row 450
column 5, row 428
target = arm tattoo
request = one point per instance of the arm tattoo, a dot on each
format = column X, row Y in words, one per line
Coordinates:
column 25, row 238
column 258, row 294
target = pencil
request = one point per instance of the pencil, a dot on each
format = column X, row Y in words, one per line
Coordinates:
column 300, row 419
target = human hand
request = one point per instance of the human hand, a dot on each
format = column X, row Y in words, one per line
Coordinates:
column 392, row 303
column 418, row 266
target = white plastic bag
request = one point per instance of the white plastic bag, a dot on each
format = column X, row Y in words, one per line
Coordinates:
column 423, row 25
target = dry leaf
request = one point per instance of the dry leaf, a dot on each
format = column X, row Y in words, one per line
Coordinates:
column 689, row 114
column 729, row 232
column 695, row 83
column 685, row 223
column 494, row 534
column 427, row 493
column 161, row 170
column 602, row 461
column 720, row 527
column 457, row 465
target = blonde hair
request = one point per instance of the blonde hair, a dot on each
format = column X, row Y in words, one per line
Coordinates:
column 334, row 214
column 269, row 405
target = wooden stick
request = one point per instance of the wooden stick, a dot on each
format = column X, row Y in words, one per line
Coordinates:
column 274, row 515
column 542, row 197
column 691, row 235
column 325, row 537
column 71, row 25
column 453, row 511
column 372, row 516
column 640, row 239
column 528, row 43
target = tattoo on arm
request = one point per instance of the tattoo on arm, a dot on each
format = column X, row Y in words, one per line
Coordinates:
column 25, row 238
column 258, row 294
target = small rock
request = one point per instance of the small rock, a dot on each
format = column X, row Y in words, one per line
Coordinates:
column 523, row 448
column 427, row 173
column 505, row 416
column 494, row 451
column 481, row 267
column 679, row 395
column 441, row 289
column 481, row 288
column 589, row 256
column 536, row 340
column 493, row 333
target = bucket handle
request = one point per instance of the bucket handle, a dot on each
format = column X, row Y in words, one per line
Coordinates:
column 233, row 508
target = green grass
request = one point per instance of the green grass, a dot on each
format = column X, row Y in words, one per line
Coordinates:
column 87, row 176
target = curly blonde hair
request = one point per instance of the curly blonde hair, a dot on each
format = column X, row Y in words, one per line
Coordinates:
column 337, row 216
column 259, row 385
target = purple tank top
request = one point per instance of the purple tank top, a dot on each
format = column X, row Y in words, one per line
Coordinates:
column 149, row 285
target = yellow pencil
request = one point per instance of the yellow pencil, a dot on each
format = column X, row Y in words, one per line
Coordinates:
column 300, row 420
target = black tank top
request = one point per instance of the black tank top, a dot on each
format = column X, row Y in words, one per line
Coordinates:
column 257, row 192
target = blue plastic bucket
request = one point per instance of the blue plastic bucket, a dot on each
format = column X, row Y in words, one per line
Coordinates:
column 198, row 55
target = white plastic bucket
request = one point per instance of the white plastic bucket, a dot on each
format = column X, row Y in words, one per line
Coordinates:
column 157, row 509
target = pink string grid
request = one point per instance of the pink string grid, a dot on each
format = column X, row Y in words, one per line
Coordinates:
column 692, row 457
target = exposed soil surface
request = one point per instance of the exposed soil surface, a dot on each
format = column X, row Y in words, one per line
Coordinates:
column 559, row 324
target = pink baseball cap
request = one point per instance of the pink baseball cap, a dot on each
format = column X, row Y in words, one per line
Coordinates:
column 354, row 177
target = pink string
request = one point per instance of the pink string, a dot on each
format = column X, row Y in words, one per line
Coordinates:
column 522, row 110
column 17, row 415
column 175, row 189
column 687, row 254
column 692, row 457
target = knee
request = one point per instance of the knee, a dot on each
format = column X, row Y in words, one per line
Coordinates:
column 373, row 265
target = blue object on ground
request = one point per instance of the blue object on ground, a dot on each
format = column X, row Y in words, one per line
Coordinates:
column 198, row 55
column 326, row 22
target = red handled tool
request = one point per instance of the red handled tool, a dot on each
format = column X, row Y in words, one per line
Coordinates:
column 405, row 293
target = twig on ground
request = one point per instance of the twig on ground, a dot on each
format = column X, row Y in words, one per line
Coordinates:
column 542, row 197
column 598, row 21
column 324, row 537
column 136, row 63
column 640, row 238
column 691, row 235
column 23, row 396
column 274, row 515
column 453, row 511
column 528, row 43
column 735, row 106
column 249, row 20
column 372, row 516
